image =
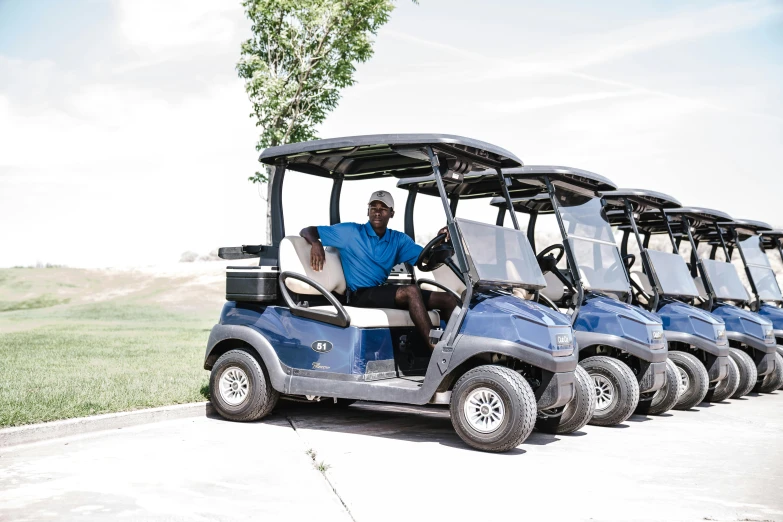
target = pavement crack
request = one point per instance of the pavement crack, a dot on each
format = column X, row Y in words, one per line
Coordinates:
column 322, row 468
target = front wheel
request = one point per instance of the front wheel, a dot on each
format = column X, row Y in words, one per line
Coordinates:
column 666, row 398
column 493, row 408
column 694, row 380
column 773, row 380
column 576, row 413
column 239, row 387
column 616, row 390
column 728, row 386
column 747, row 371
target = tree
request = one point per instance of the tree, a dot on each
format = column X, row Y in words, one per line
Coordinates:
column 301, row 54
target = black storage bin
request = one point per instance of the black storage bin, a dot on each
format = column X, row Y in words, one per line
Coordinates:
column 251, row 283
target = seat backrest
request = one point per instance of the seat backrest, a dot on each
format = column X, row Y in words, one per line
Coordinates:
column 643, row 281
column 295, row 257
column 442, row 275
column 554, row 287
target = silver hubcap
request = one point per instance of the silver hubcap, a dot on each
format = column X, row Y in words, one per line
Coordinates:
column 685, row 381
column 484, row 410
column 604, row 392
column 233, row 386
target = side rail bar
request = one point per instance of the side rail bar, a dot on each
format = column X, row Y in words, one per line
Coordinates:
column 341, row 318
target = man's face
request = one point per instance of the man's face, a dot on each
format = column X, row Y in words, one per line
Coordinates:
column 379, row 214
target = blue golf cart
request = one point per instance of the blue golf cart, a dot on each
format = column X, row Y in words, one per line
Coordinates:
column 743, row 236
column 772, row 309
column 662, row 284
column 482, row 186
column 750, row 335
column 622, row 346
column 287, row 329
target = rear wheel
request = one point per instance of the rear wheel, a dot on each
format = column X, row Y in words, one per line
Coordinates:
column 493, row 408
column 780, row 352
column 773, row 380
column 728, row 386
column 239, row 387
column 747, row 371
column 665, row 398
column 694, row 379
column 576, row 413
column 616, row 390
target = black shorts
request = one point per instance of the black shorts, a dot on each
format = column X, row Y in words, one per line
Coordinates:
column 379, row 297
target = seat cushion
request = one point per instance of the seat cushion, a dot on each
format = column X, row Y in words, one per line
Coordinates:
column 295, row 257
column 379, row 317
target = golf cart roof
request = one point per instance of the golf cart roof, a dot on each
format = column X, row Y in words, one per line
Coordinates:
column 565, row 176
column 773, row 233
column 379, row 155
column 474, row 185
column 640, row 199
column 700, row 215
column 754, row 227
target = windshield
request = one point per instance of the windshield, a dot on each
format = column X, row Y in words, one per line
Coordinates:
column 592, row 241
column 725, row 280
column 501, row 255
column 760, row 269
column 672, row 274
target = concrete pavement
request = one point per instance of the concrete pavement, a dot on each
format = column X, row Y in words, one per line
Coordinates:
column 718, row 462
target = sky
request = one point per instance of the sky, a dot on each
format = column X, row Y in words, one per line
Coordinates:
column 125, row 138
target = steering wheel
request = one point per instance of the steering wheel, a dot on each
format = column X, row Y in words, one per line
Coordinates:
column 435, row 254
column 541, row 257
column 548, row 263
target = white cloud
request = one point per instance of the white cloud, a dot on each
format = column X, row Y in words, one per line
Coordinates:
column 151, row 26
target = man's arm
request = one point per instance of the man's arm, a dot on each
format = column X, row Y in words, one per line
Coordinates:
column 317, row 254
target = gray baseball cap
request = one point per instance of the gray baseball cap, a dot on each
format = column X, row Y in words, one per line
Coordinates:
column 382, row 196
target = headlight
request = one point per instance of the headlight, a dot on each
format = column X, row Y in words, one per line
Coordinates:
column 720, row 333
column 769, row 335
column 658, row 338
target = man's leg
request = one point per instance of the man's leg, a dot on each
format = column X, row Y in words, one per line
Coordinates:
column 443, row 302
column 409, row 297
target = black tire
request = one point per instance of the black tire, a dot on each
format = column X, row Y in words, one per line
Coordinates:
column 515, row 397
column 259, row 397
column 619, row 391
column 576, row 413
column 773, row 380
column 695, row 381
column 728, row 386
column 747, row 371
column 780, row 352
column 665, row 398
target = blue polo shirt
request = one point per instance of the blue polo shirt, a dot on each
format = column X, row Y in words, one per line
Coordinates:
column 368, row 259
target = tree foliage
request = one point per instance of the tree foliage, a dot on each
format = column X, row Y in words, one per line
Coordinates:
column 301, row 54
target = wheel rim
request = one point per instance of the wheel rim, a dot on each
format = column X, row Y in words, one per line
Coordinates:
column 685, row 380
column 484, row 410
column 605, row 393
column 234, row 386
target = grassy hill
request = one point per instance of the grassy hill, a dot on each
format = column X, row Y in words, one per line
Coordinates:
column 78, row 342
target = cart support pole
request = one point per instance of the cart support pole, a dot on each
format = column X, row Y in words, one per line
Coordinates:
column 507, row 197
column 278, row 225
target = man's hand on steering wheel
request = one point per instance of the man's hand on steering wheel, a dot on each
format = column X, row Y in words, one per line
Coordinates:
column 445, row 230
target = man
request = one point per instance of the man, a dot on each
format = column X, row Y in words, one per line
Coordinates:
column 368, row 252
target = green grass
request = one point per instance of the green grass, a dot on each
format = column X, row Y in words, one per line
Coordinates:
column 66, row 357
column 44, row 301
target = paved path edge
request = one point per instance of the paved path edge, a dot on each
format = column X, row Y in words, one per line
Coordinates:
column 63, row 428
